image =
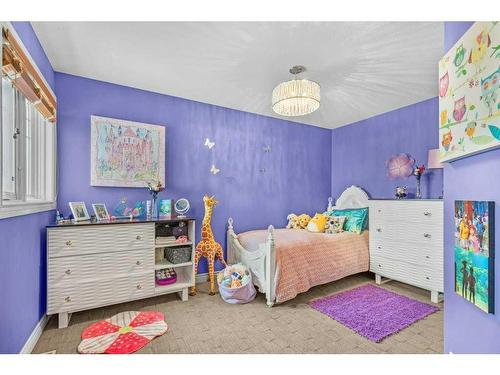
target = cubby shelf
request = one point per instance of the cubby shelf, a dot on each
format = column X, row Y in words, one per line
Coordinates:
column 166, row 264
column 189, row 243
column 176, row 287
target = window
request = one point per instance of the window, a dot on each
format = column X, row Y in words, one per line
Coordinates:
column 28, row 146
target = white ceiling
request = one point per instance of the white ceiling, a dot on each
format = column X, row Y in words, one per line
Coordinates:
column 364, row 68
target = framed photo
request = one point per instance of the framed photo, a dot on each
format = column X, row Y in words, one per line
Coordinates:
column 165, row 208
column 100, row 211
column 475, row 253
column 79, row 211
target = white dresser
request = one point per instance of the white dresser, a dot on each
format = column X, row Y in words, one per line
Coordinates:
column 95, row 265
column 406, row 242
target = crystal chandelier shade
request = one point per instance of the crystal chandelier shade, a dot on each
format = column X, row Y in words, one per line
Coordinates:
column 297, row 97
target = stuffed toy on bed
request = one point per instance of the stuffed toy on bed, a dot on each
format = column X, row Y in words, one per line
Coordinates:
column 335, row 224
column 293, row 222
column 317, row 223
column 304, row 220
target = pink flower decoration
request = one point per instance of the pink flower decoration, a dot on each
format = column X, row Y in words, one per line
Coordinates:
column 400, row 166
column 123, row 333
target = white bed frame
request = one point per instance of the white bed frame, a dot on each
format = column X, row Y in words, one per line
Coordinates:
column 262, row 263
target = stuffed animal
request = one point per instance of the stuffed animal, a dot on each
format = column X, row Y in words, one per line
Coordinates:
column 304, row 220
column 335, row 224
column 317, row 223
column 293, row 222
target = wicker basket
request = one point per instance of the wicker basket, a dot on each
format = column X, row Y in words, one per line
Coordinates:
column 179, row 254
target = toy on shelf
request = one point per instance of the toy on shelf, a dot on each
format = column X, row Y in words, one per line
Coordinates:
column 165, row 276
column 208, row 247
column 123, row 210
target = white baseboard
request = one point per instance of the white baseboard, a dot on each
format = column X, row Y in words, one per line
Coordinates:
column 35, row 336
column 203, row 277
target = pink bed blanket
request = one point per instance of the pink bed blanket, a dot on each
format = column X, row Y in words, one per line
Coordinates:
column 305, row 259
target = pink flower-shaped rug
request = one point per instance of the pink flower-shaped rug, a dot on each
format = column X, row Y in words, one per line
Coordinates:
column 123, row 333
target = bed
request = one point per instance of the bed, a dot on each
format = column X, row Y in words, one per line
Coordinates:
column 286, row 262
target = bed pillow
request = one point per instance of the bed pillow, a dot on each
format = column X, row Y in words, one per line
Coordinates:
column 356, row 219
column 335, row 224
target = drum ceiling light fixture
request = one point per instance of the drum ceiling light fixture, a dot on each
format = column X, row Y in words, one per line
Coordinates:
column 297, row 97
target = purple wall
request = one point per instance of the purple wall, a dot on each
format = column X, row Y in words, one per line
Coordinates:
column 467, row 329
column 359, row 150
column 22, row 250
column 297, row 170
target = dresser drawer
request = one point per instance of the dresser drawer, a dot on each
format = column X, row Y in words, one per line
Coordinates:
column 86, row 294
column 418, row 254
column 88, row 239
column 73, row 269
column 419, row 212
column 421, row 276
column 419, row 235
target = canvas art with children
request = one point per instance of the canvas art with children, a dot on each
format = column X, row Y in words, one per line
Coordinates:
column 474, row 252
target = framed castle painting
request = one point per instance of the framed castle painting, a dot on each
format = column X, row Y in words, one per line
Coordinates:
column 475, row 253
column 469, row 105
column 126, row 153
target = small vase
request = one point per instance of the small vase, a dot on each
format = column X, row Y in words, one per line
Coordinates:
column 154, row 209
column 418, row 194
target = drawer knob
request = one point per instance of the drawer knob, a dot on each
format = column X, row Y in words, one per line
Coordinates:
column 427, row 213
column 379, row 210
column 427, row 235
column 138, row 238
column 379, row 247
column 379, row 230
column 68, row 272
column 138, row 263
column 380, row 266
column 139, row 286
column 427, row 277
column 428, row 257
column 67, row 299
column 69, row 243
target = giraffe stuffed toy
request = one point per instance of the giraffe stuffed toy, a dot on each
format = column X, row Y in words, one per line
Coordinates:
column 207, row 247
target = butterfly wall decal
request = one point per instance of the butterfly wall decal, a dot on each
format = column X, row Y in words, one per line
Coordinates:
column 209, row 143
column 214, row 170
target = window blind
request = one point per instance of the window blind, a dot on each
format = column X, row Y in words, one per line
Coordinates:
column 25, row 77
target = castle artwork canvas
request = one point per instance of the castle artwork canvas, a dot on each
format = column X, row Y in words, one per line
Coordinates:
column 475, row 252
column 126, row 153
column 468, row 87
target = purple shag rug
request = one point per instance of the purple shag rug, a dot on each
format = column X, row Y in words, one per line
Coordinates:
column 373, row 312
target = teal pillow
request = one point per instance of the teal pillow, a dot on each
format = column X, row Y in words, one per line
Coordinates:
column 356, row 219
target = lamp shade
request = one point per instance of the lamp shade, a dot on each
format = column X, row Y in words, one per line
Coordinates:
column 297, row 97
column 433, row 160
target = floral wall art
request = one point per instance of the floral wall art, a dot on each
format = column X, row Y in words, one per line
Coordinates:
column 126, row 153
column 469, row 81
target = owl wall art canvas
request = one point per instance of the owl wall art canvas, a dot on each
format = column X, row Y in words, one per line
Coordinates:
column 469, row 85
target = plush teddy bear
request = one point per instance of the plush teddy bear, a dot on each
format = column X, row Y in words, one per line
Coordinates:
column 304, row 220
column 317, row 223
column 293, row 222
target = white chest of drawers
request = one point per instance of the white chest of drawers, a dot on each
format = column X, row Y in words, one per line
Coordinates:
column 406, row 242
column 90, row 266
